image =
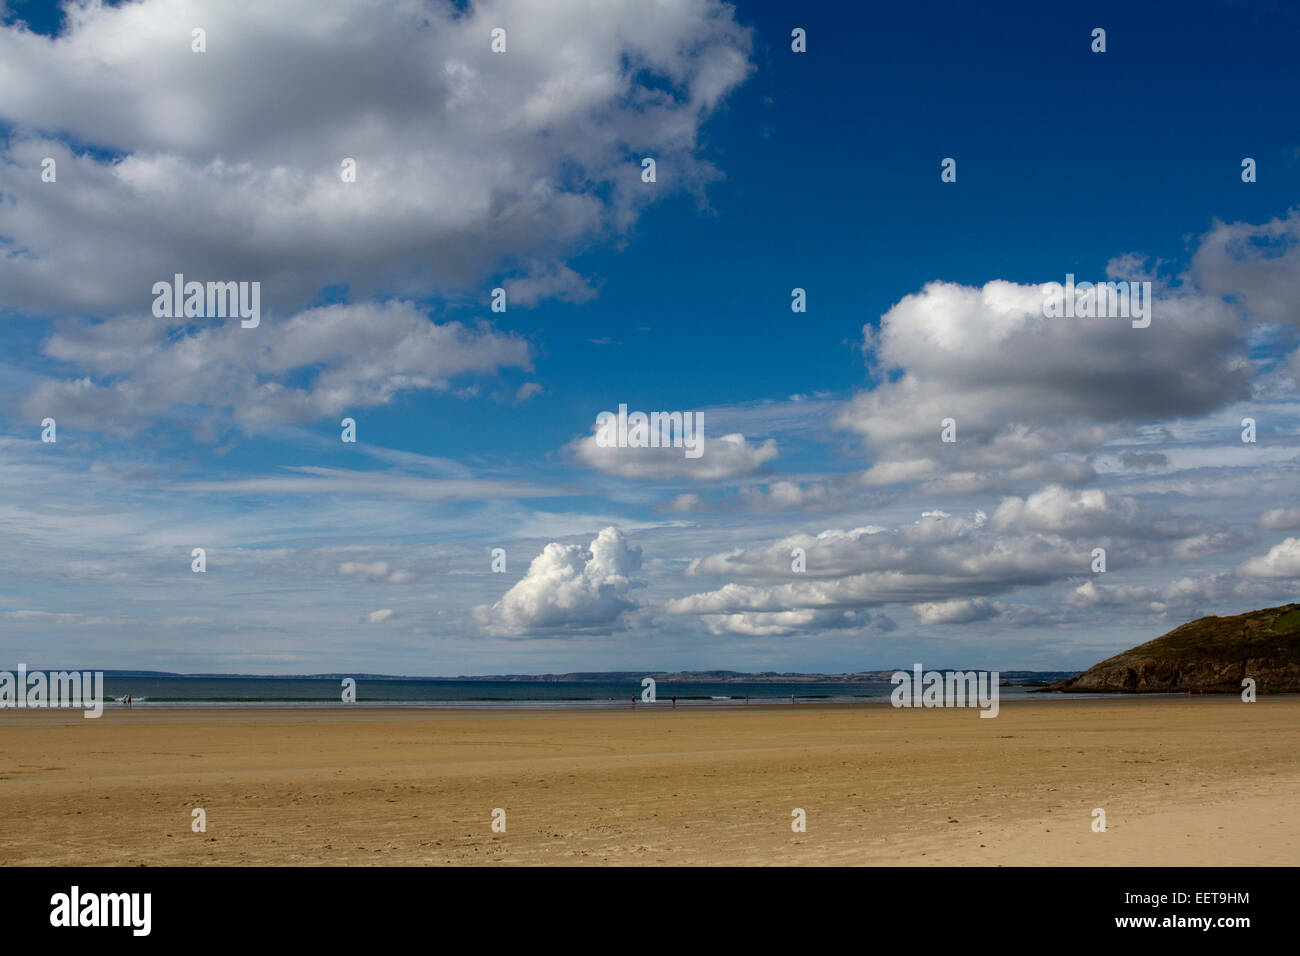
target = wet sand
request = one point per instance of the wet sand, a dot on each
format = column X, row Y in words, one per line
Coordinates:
column 1183, row 781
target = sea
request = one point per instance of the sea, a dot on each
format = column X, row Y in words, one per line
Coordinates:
column 236, row 692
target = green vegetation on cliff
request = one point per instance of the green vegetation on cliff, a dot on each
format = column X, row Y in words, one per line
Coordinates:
column 1212, row 654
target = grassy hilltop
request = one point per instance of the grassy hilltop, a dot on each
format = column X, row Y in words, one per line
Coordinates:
column 1212, row 654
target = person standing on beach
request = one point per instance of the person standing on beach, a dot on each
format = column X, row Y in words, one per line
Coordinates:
column 674, row 702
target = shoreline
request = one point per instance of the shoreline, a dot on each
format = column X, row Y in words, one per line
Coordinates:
column 147, row 705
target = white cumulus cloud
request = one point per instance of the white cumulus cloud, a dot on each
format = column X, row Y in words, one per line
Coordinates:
column 469, row 163
column 569, row 587
column 728, row 456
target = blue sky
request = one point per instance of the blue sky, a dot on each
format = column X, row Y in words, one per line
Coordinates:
column 777, row 170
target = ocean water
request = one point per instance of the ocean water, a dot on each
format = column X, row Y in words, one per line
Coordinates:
column 324, row 692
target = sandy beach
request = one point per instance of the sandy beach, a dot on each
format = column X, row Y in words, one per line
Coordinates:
column 1183, row 781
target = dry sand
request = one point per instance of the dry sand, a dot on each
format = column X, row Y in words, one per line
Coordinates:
column 1183, row 781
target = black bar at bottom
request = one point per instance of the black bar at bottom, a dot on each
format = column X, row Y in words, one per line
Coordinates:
column 568, row 906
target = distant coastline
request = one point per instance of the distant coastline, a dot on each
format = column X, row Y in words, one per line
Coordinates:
column 1008, row 678
column 612, row 690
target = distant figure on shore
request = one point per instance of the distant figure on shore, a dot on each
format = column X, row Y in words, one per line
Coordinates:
column 128, row 700
column 634, row 701
column 674, row 702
